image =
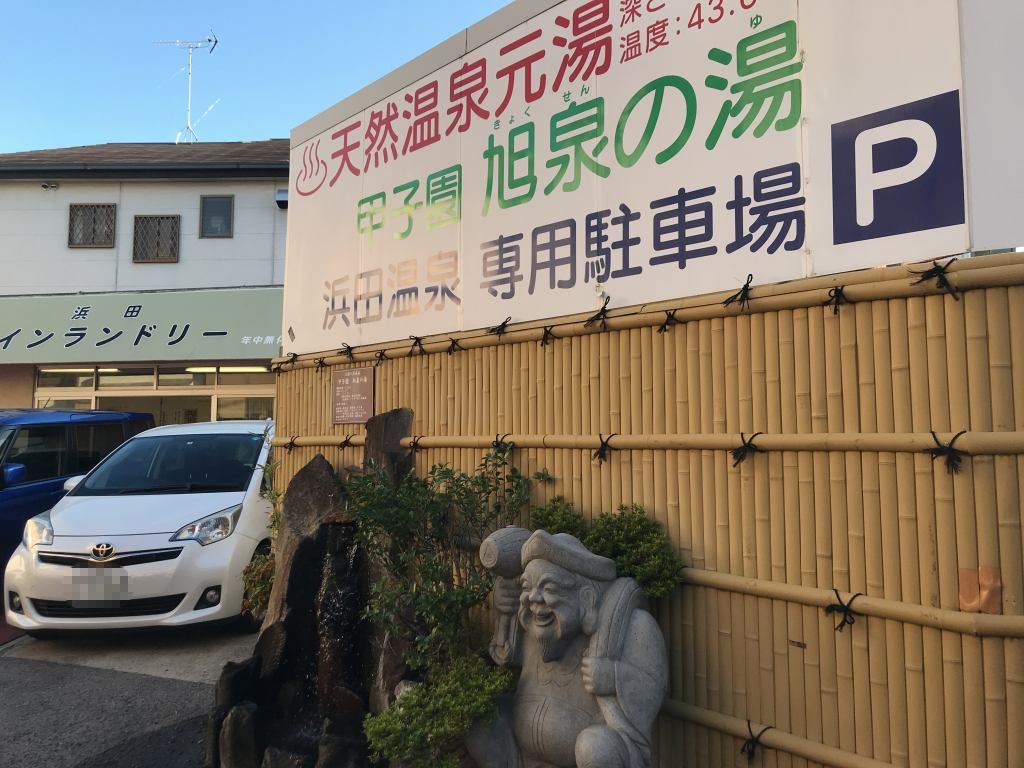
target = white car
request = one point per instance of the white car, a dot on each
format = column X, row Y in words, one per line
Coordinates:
column 157, row 534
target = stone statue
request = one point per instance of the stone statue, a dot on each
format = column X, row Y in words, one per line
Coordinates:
column 594, row 666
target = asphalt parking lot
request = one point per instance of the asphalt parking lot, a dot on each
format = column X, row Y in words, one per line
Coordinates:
column 134, row 700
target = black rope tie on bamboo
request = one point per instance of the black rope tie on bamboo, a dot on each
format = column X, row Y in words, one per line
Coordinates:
column 291, row 444
column 293, row 358
column 346, row 443
column 454, row 346
column 739, row 455
column 937, row 272
column 849, row 615
column 604, row 449
column 320, row 363
column 670, row 320
column 742, row 295
column 381, row 357
column 276, row 367
column 348, row 352
column 501, row 442
column 548, row 336
column 601, row 316
column 414, row 444
column 836, row 298
column 750, row 745
column 954, row 456
column 417, row 344
column 501, row 327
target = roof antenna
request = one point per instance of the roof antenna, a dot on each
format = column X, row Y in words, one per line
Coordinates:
column 189, row 135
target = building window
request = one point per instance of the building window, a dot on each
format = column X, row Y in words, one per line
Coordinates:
column 91, row 226
column 216, row 215
column 156, row 239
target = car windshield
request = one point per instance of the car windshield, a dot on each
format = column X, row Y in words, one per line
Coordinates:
column 203, row 463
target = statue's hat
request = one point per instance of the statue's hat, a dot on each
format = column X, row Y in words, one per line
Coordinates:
column 567, row 551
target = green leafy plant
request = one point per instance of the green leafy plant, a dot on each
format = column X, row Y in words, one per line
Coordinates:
column 258, row 575
column 428, row 725
column 558, row 516
column 639, row 547
column 543, row 476
column 422, row 536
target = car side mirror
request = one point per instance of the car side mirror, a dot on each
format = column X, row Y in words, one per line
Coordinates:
column 71, row 482
column 14, row 473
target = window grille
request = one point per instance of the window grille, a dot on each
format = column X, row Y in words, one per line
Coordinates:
column 91, row 226
column 156, row 239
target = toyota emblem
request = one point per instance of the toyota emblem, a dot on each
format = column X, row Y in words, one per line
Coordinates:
column 103, row 551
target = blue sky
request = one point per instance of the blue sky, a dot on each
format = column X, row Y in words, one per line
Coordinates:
column 88, row 73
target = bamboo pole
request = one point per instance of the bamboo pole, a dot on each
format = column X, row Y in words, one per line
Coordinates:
column 1008, row 512
column 615, row 411
column 597, row 418
column 710, row 501
column 974, row 625
column 920, row 347
column 1010, row 518
column 796, row 639
column 605, row 424
column 973, row 443
column 872, row 545
column 889, row 534
column 907, row 523
column 777, row 505
column 807, row 525
column 836, row 359
column 980, row 403
column 729, row 622
column 636, row 406
column 966, row 523
column 626, row 410
column 850, row 324
column 581, row 464
column 747, row 523
column 821, row 514
column 763, row 527
column 939, row 354
column 775, row 738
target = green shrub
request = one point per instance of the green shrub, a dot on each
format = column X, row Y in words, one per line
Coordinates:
column 258, row 578
column 639, row 548
column 428, row 725
column 558, row 516
column 258, row 575
column 422, row 537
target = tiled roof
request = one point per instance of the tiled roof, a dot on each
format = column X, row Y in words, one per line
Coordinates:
column 265, row 158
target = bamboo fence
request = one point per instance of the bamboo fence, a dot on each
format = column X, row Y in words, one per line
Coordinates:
column 839, row 501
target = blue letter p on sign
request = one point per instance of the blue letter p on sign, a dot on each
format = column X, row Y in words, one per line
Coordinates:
column 899, row 170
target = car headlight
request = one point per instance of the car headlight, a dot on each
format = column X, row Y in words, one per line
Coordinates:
column 38, row 530
column 211, row 528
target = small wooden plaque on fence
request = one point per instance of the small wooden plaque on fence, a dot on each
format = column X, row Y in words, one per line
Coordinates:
column 352, row 395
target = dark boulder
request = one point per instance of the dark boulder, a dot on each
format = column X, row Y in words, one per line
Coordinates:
column 241, row 745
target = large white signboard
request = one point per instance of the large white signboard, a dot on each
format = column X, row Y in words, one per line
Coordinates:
column 638, row 149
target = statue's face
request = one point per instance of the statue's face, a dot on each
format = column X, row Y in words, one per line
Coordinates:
column 550, row 608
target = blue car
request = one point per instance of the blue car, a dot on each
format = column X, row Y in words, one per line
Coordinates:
column 40, row 449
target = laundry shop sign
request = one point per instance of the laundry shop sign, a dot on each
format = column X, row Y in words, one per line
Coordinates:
column 234, row 324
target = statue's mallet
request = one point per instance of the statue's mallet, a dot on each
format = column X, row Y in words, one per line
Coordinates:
column 501, row 553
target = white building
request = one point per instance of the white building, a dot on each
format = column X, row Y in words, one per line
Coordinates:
column 143, row 277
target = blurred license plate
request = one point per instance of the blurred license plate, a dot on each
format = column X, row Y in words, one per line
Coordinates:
column 99, row 584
